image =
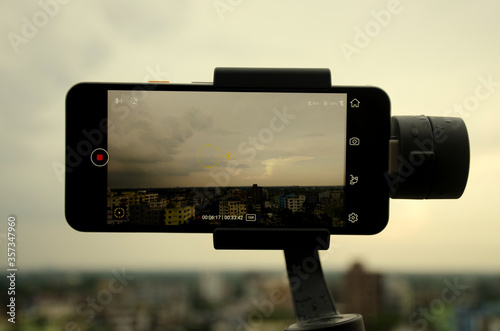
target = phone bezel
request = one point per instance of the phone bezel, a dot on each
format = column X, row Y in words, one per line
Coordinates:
column 86, row 184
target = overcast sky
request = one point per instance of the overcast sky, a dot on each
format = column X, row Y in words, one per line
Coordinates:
column 433, row 58
column 194, row 139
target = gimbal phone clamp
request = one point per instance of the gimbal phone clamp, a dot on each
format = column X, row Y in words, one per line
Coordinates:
column 313, row 304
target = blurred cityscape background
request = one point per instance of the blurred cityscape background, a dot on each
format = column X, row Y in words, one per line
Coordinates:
column 120, row 300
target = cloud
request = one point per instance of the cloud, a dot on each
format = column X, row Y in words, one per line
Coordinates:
column 152, row 136
column 270, row 165
column 149, row 135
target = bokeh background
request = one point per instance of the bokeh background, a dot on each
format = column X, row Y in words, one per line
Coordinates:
column 433, row 58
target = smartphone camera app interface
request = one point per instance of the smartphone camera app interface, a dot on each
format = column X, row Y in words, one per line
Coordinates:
column 192, row 161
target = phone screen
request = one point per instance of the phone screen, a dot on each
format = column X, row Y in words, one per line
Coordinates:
column 188, row 160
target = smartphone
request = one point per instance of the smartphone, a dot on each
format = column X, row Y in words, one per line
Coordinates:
column 193, row 158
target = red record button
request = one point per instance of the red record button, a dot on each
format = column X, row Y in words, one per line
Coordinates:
column 99, row 157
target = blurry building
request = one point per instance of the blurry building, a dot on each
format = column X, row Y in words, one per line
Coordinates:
column 211, row 287
column 179, row 212
column 228, row 207
column 293, row 202
column 256, row 193
column 362, row 292
column 145, row 214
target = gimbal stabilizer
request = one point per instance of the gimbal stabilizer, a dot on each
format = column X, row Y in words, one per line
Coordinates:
column 429, row 159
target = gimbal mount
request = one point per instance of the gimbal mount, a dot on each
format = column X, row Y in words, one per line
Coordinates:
column 441, row 172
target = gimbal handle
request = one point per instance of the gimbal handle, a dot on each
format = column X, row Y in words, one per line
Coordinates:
column 313, row 304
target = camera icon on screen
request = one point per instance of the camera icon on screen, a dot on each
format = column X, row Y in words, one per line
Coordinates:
column 354, row 141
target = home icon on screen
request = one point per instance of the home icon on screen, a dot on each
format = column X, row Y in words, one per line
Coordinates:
column 355, row 103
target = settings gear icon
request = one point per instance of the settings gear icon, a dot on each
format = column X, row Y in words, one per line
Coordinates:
column 352, row 217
